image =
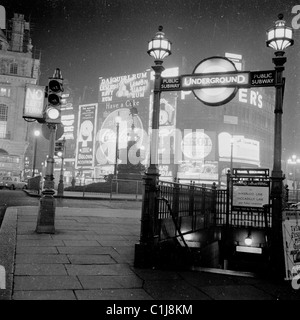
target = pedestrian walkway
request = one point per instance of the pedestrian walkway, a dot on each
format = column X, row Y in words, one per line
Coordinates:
column 91, row 257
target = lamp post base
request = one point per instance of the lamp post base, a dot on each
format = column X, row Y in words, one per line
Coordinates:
column 144, row 256
column 60, row 189
column 46, row 214
column 277, row 267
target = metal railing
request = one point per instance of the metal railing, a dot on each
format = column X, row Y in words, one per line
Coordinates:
column 132, row 188
column 184, row 206
column 207, row 206
column 114, row 189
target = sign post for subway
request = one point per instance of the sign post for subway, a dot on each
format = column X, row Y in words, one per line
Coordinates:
column 215, row 81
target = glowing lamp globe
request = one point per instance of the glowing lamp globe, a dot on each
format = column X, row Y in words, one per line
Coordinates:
column 159, row 47
column 280, row 36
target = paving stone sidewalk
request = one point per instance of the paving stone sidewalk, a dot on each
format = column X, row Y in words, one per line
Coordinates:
column 91, row 257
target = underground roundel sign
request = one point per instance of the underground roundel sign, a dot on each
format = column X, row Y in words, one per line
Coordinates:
column 217, row 95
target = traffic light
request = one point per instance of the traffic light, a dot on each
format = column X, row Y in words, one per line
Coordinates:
column 59, row 148
column 55, row 89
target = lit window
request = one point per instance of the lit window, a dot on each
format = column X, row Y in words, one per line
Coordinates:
column 3, row 120
column 13, row 68
column 4, row 92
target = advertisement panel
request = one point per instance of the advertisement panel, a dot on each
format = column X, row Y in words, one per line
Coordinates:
column 126, row 97
column 68, row 121
column 291, row 243
column 85, row 147
column 34, row 101
column 167, row 135
column 243, row 150
column 198, row 156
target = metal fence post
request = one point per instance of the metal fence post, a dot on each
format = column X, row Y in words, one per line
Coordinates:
column 228, row 194
column 226, row 231
column 213, row 202
column 191, row 198
column 111, row 188
column 137, row 189
column 175, row 203
column 144, row 250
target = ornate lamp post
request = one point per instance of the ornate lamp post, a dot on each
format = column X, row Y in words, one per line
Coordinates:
column 279, row 37
column 36, row 134
column 159, row 48
column 118, row 121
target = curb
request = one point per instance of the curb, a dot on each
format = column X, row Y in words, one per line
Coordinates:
column 36, row 195
column 8, row 237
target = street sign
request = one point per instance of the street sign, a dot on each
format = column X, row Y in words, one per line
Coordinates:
column 215, row 68
column 215, row 81
column 212, row 80
column 34, row 102
column 170, row 84
column 262, row 78
column 235, row 79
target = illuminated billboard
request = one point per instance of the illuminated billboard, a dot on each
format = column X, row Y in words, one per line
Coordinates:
column 85, row 147
column 127, row 97
column 243, row 150
column 34, row 101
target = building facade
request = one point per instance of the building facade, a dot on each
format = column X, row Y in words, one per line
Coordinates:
column 197, row 142
column 238, row 134
column 18, row 67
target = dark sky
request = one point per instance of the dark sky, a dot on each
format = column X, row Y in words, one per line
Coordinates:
column 87, row 39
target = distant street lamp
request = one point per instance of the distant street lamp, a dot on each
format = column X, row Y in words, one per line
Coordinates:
column 279, row 37
column 60, row 187
column 132, row 134
column 117, row 121
column 294, row 161
column 36, row 134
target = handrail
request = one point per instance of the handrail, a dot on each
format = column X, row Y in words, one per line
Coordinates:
column 175, row 222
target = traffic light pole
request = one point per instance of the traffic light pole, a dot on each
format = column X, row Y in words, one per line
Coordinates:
column 46, row 214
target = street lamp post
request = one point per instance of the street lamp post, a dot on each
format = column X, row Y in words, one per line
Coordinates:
column 60, row 187
column 294, row 161
column 294, row 157
column 118, row 121
column 279, row 37
column 36, row 134
column 159, row 48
